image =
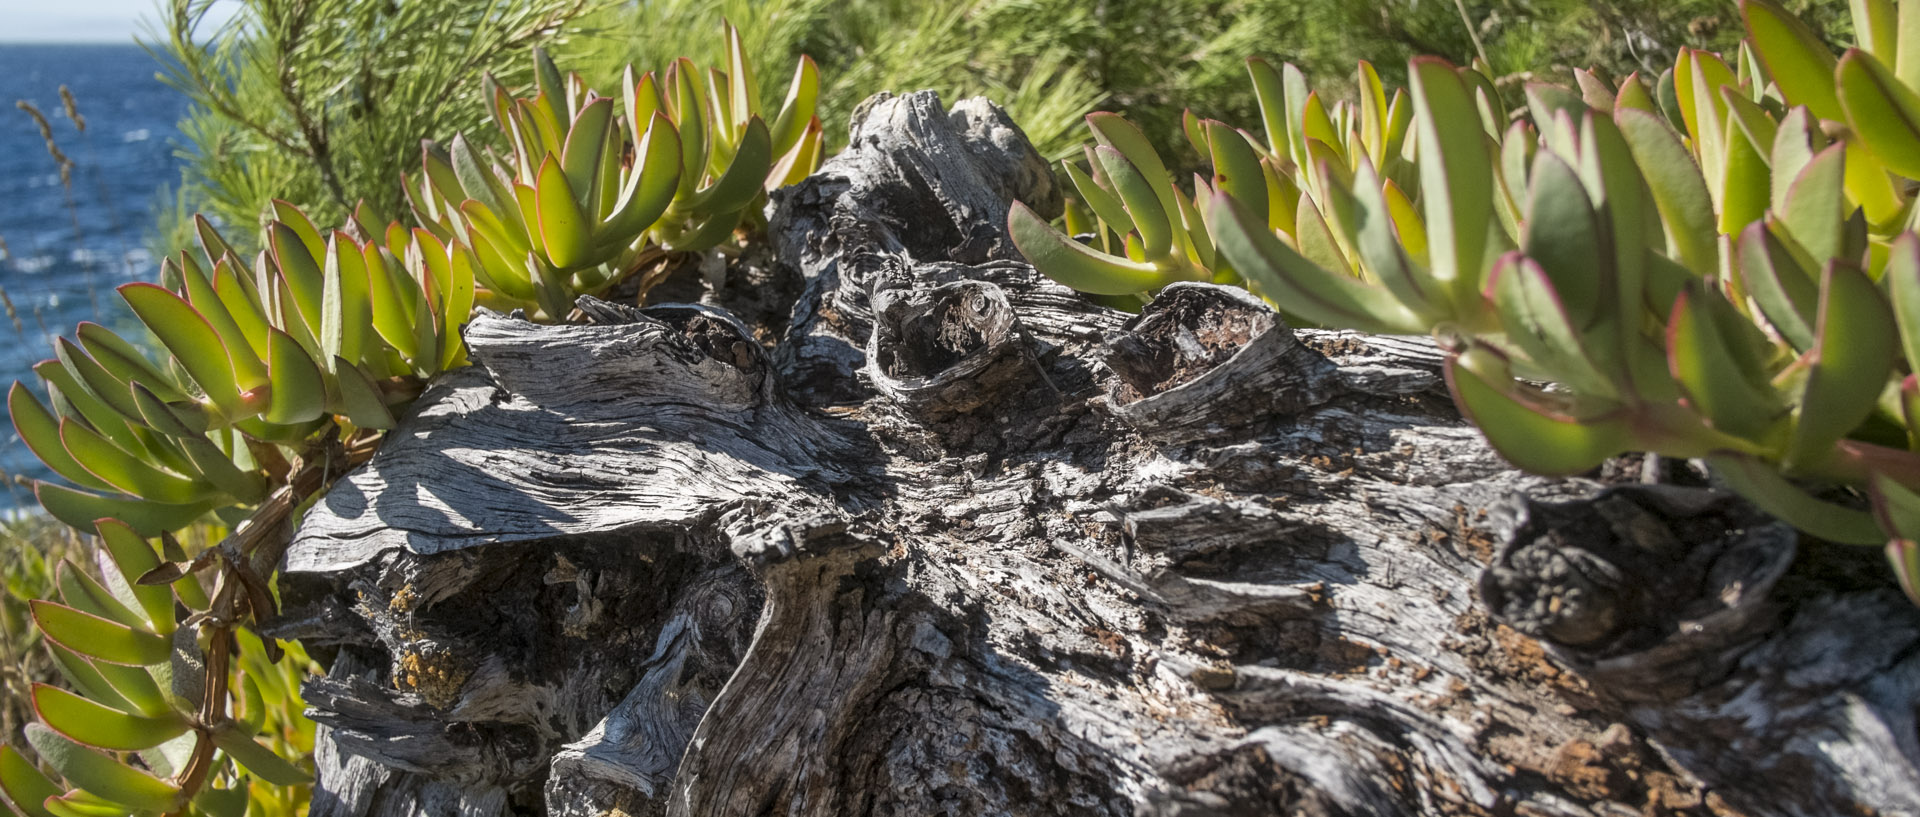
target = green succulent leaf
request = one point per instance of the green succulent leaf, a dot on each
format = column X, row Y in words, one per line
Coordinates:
column 1534, row 437
column 1105, row 204
column 299, row 393
column 563, row 226
column 1297, row 285
column 84, row 676
column 236, row 292
column 803, row 95
column 163, row 417
column 1884, row 113
column 1635, row 95
column 123, row 361
column 1619, row 192
column 105, row 386
column 1855, row 348
column 1679, row 191
column 1817, row 204
column 1784, row 290
column 398, row 303
column 1902, row 277
column 346, row 306
column 192, row 341
column 258, row 760
column 1269, row 94
column 1236, row 166
column 1382, row 243
column 1907, row 40
column 24, row 784
column 1711, row 352
column 296, row 259
column 1563, row 235
column 126, row 472
column 218, row 802
column 649, row 190
column 1141, row 200
column 211, row 243
column 1896, row 507
column 101, row 775
column 292, row 218
column 1456, row 178
column 1112, row 131
column 1762, row 484
column 78, row 803
column 744, row 178
column 585, row 152
column 203, row 295
column 87, row 722
column 40, row 430
column 1537, row 319
column 81, row 591
column 79, row 509
column 97, row 637
column 133, row 557
column 1073, row 264
column 1798, row 61
column 72, row 399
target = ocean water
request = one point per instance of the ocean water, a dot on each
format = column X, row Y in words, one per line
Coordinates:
column 55, row 274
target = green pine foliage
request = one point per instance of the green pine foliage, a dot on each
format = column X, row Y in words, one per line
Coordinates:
column 325, row 102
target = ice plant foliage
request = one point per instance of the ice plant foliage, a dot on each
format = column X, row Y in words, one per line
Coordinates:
column 1717, row 263
column 281, row 373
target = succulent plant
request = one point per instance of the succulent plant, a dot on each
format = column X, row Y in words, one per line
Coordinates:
column 571, row 212
column 1717, row 265
column 280, row 375
column 145, row 685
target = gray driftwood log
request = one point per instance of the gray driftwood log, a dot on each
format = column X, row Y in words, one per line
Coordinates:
column 894, row 526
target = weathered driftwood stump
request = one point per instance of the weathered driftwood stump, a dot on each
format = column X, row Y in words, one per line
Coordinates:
column 947, row 539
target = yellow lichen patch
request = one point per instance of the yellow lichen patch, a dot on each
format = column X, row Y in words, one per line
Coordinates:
column 434, row 676
column 403, row 601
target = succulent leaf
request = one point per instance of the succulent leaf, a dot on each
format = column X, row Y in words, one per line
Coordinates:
column 744, row 178
column 1299, row 286
column 1711, row 359
column 24, row 784
column 100, row 638
column 1073, row 264
column 1798, row 61
column 1763, row 485
column 1679, row 191
column 40, row 430
column 192, row 341
column 1142, row 202
column 79, row 508
column 133, row 557
column 299, row 394
column 1105, row 204
column 1531, row 436
column 563, row 226
column 1854, row 352
column 127, row 472
column 101, row 775
column 87, row 722
column 1112, row 131
column 258, row 760
column 1456, row 178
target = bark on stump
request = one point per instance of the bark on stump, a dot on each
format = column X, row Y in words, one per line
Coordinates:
column 945, row 538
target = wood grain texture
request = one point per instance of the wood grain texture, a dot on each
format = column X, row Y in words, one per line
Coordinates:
column 949, row 539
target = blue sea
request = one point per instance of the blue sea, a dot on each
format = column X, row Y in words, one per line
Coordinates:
column 55, row 274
